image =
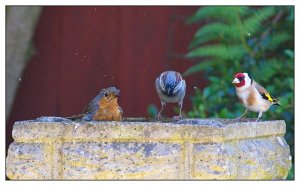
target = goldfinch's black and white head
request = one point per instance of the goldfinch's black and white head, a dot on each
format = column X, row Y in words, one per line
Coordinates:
column 242, row 81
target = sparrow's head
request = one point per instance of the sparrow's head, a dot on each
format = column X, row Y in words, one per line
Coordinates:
column 170, row 82
column 242, row 80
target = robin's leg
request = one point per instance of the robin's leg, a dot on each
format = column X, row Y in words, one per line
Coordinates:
column 163, row 105
column 259, row 115
column 243, row 115
column 118, row 116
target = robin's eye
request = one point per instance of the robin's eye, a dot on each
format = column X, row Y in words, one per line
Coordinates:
column 106, row 94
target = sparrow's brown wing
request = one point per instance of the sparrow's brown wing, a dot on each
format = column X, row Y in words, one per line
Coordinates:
column 263, row 92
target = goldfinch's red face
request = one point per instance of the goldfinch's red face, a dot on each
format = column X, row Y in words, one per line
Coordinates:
column 239, row 80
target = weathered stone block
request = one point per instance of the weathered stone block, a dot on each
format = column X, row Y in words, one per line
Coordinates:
column 187, row 149
column 29, row 160
column 120, row 160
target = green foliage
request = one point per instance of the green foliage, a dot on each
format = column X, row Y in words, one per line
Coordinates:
column 152, row 110
column 257, row 40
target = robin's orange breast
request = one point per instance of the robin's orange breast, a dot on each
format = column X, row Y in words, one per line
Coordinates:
column 108, row 111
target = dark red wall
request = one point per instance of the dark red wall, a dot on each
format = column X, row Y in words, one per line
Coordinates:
column 80, row 50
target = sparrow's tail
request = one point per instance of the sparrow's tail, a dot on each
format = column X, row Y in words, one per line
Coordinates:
column 276, row 101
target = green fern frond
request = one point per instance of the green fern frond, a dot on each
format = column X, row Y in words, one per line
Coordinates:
column 200, row 40
column 290, row 53
column 251, row 24
column 215, row 31
column 226, row 52
column 277, row 39
column 224, row 13
column 203, row 65
column 219, row 30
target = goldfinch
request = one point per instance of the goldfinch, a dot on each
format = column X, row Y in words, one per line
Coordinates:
column 252, row 95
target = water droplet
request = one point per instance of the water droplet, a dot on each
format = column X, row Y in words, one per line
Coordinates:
column 20, row 79
column 249, row 34
column 195, row 87
column 76, row 53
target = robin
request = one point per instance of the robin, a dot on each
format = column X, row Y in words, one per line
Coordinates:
column 104, row 107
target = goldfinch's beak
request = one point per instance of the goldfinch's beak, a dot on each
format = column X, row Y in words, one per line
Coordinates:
column 235, row 81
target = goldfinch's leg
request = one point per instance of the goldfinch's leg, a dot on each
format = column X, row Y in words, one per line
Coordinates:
column 163, row 105
column 243, row 115
column 259, row 115
column 180, row 107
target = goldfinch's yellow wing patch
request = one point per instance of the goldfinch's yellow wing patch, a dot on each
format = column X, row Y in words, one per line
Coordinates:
column 263, row 92
column 267, row 96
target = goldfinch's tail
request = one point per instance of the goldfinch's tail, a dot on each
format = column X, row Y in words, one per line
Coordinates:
column 276, row 101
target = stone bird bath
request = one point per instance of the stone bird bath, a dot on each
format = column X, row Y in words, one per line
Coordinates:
column 188, row 149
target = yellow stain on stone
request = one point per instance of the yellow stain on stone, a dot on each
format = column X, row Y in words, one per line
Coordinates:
column 132, row 175
column 25, row 156
column 81, row 163
column 207, row 176
column 250, row 162
column 217, row 168
column 171, row 139
column 260, row 173
column 106, row 175
column 282, row 172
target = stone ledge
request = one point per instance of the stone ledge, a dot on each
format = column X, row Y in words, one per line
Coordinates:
column 187, row 149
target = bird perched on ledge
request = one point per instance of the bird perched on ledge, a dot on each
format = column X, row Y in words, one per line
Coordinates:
column 104, row 107
column 252, row 95
column 170, row 88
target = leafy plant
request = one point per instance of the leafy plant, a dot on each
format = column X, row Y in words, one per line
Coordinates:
column 257, row 40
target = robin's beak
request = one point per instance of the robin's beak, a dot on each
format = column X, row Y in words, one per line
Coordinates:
column 236, row 81
column 116, row 95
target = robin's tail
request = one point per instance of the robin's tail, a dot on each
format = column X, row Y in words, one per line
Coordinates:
column 276, row 101
column 75, row 117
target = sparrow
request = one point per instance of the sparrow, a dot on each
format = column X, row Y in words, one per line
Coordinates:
column 104, row 107
column 252, row 95
column 170, row 88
